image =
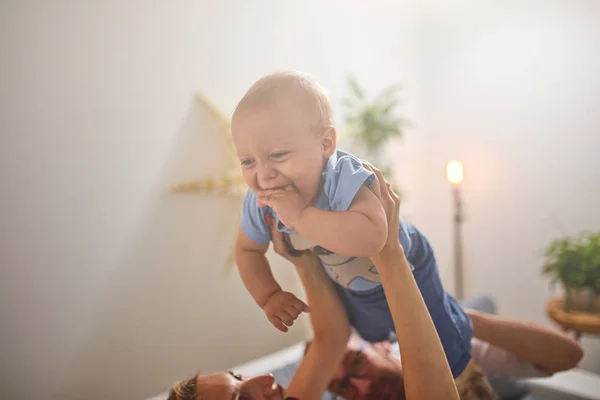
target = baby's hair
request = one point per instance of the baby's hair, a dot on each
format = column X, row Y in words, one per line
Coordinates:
column 273, row 87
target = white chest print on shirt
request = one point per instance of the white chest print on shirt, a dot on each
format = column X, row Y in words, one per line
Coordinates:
column 351, row 272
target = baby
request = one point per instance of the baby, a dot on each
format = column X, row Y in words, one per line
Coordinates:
column 320, row 197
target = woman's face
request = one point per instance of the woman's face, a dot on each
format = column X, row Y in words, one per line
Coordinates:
column 230, row 386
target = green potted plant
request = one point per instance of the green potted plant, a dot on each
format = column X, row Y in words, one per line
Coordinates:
column 371, row 123
column 574, row 262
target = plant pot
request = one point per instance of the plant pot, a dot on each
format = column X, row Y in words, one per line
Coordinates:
column 582, row 299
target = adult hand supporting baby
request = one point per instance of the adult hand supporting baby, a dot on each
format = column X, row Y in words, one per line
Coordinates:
column 391, row 205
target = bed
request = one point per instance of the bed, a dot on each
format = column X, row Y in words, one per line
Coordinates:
column 575, row 384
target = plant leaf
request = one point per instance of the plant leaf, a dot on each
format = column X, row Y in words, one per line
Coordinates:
column 356, row 90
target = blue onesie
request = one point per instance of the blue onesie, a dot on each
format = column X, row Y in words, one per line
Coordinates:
column 356, row 278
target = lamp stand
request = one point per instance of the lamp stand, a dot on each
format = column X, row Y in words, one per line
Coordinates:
column 458, row 244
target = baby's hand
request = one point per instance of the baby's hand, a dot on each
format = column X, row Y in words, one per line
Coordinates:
column 287, row 203
column 283, row 308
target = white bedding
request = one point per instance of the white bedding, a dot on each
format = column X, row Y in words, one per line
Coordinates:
column 271, row 362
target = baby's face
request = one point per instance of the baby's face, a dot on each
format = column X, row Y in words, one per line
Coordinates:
column 277, row 147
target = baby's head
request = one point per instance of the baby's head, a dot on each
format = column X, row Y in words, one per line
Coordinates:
column 283, row 133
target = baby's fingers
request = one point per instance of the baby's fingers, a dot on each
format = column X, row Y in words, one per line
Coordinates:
column 292, row 311
column 300, row 305
column 266, row 197
column 285, row 317
column 276, row 322
column 262, row 201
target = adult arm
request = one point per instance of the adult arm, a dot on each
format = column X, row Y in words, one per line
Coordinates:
column 329, row 322
column 426, row 371
column 547, row 349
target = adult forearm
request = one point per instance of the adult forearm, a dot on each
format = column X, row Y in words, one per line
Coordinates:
column 256, row 275
column 330, row 334
column 349, row 233
column 327, row 316
column 549, row 349
column 423, row 357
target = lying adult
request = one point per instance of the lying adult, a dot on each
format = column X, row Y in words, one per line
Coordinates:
column 501, row 348
column 426, row 371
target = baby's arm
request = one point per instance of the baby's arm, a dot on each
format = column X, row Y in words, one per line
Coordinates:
column 254, row 268
column 281, row 308
column 361, row 231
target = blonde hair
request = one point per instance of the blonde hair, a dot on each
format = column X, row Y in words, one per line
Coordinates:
column 271, row 88
column 473, row 385
column 185, row 390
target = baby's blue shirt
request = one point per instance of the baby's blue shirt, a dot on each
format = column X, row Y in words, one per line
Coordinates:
column 356, row 278
column 342, row 176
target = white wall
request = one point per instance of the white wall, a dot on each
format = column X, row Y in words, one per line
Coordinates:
column 112, row 289
column 512, row 89
column 109, row 287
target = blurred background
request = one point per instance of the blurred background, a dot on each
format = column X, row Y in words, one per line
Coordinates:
column 112, row 287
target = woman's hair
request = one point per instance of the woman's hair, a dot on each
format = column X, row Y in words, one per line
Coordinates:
column 473, row 385
column 184, row 390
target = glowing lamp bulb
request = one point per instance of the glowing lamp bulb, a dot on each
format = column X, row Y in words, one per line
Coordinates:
column 455, row 172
